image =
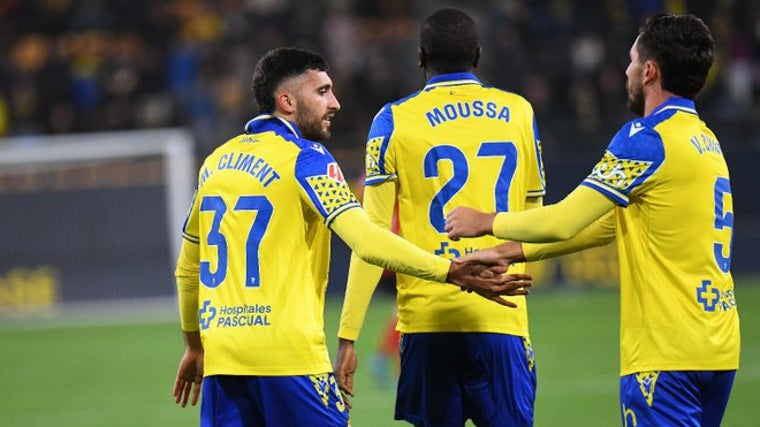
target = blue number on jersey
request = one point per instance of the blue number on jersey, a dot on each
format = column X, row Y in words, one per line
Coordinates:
column 462, row 173
column 723, row 220
column 215, row 238
column 457, row 181
column 509, row 152
column 259, row 227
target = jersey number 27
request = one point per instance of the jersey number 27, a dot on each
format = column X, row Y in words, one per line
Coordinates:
column 461, row 169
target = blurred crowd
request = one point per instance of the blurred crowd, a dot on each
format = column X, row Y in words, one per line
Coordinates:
column 92, row 65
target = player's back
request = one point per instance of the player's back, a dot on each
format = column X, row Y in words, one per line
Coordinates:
column 674, row 238
column 457, row 143
column 264, row 257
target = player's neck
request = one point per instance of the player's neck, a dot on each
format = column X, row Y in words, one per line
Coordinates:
column 284, row 116
column 654, row 99
column 430, row 73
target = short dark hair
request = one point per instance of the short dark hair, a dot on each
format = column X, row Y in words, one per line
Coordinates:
column 682, row 45
column 278, row 65
column 449, row 38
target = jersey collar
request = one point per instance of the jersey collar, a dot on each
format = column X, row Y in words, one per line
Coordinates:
column 271, row 123
column 452, row 79
column 676, row 103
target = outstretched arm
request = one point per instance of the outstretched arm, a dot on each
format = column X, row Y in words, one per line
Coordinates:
column 383, row 248
column 552, row 223
column 600, row 233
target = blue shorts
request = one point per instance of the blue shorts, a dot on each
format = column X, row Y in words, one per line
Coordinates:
column 675, row 398
column 447, row 378
column 253, row 401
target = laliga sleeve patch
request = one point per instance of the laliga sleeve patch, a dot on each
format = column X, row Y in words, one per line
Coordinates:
column 619, row 174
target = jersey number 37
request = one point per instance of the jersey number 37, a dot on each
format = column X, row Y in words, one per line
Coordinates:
column 216, row 204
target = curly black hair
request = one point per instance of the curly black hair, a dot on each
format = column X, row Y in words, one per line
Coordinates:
column 278, row 65
column 682, row 46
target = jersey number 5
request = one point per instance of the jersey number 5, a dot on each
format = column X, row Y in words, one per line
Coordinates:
column 723, row 220
column 216, row 204
column 461, row 169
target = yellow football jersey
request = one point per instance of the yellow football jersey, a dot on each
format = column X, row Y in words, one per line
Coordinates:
column 260, row 215
column 674, row 229
column 455, row 143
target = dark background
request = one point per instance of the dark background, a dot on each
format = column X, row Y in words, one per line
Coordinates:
column 80, row 66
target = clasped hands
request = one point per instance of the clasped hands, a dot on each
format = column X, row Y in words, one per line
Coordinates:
column 483, row 271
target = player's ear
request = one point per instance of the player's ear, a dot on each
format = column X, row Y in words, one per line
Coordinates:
column 477, row 57
column 286, row 102
column 651, row 72
column 421, row 60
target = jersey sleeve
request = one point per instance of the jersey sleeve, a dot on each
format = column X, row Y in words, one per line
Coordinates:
column 187, row 272
column 536, row 175
column 188, row 269
column 379, row 162
column 190, row 226
column 629, row 162
column 363, row 277
column 324, row 187
column 556, row 222
column 600, row 232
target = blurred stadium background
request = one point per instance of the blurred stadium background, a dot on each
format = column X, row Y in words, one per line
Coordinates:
column 106, row 107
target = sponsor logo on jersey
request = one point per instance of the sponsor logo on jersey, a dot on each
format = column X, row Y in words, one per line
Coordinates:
column 233, row 316
column 206, row 314
column 636, row 127
column 712, row 299
column 334, row 172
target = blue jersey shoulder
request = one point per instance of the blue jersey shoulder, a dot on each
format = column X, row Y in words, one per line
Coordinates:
column 638, row 140
column 634, row 154
column 382, row 124
column 312, row 159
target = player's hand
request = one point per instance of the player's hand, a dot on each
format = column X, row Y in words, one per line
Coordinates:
column 506, row 253
column 468, row 222
column 489, row 281
column 345, row 367
column 189, row 378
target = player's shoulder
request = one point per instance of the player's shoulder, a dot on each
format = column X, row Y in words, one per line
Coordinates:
column 312, row 156
column 517, row 104
column 638, row 138
column 384, row 117
column 642, row 128
column 638, row 129
column 223, row 148
column 314, row 159
column 309, row 148
column 399, row 103
column 513, row 98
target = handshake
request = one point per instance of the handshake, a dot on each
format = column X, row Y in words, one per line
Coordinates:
column 484, row 272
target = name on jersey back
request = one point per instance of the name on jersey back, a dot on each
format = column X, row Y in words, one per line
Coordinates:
column 253, row 165
column 465, row 109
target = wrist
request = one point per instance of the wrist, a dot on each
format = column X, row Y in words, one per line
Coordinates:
column 490, row 219
column 193, row 341
column 345, row 342
column 450, row 273
column 512, row 252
